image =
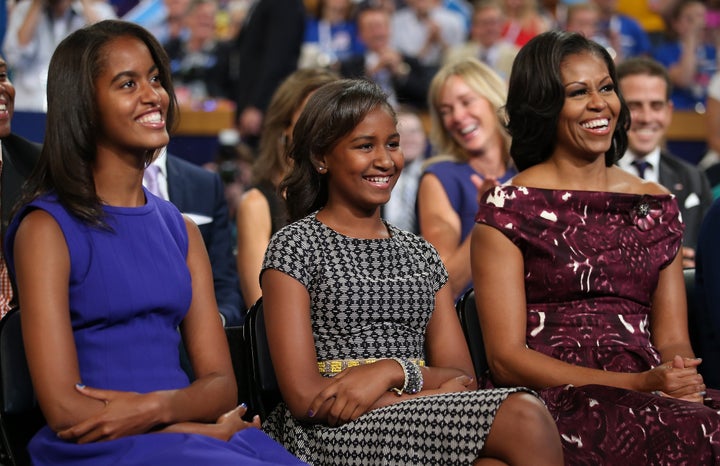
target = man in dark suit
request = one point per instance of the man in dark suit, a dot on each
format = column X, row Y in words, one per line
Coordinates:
column 265, row 52
column 403, row 78
column 19, row 157
column 199, row 194
column 646, row 87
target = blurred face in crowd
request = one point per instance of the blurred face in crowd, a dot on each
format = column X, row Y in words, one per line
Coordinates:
column 650, row 110
column 413, row 140
column 583, row 20
column 201, row 21
column 7, row 100
column 467, row 116
column 374, row 29
column 487, row 26
column 691, row 19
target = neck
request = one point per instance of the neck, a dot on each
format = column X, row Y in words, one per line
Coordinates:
column 118, row 181
column 355, row 223
column 489, row 161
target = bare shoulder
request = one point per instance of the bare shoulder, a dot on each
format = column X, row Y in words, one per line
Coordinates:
column 38, row 223
column 534, row 176
column 624, row 182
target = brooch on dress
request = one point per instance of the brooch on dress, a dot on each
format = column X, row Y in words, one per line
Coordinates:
column 645, row 213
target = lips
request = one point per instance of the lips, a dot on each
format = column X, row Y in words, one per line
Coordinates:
column 151, row 118
column 596, row 124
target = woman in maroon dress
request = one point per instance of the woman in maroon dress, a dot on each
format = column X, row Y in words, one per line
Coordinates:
column 578, row 283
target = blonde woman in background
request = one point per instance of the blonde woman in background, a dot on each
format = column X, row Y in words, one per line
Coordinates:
column 467, row 131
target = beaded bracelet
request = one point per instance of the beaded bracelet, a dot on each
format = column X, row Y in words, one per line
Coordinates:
column 413, row 377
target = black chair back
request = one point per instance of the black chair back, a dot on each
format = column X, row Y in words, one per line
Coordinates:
column 20, row 415
column 473, row 334
column 265, row 394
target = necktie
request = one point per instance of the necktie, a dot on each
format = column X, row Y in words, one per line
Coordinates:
column 150, row 179
column 6, row 291
column 641, row 166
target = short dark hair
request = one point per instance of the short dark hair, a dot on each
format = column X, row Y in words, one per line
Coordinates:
column 70, row 142
column 646, row 67
column 330, row 114
column 536, row 96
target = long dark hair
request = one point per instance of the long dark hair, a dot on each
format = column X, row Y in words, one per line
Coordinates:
column 536, row 96
column 70, row 142
column 331, row 113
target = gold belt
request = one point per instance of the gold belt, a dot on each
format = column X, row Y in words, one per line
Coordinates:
column 335, row 366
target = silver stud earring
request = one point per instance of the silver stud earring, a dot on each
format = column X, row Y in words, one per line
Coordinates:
column 321, row 169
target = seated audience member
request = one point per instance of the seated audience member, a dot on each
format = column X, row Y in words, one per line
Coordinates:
column 486, row 42
column 424, row 29
column 690, row 59
column 584, row 18
column 468, row 133
column 261, row 210
column 523, row 21
column 199, row 194
column 368, row 305
column 403, row 78
column 646, row 88
column 577, row 273
column 622, row 33
column 330, row 35
column 707, row 278
column 35, row 27
column 107, row 272
column 19, row 157
column 264, row 53
column 400, row 209
column 195, row 58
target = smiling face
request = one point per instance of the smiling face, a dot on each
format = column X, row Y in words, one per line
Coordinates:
column 467, row 116
column 589, row 114
column 364, row 166
column 7, row 100
column 651, row 111
column 130, row 98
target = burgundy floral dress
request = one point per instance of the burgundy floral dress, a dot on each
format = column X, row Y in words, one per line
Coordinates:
column 592, row 261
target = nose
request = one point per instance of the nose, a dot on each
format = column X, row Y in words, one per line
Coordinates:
column 597, row 102
column 383, row 160
column 151, row 93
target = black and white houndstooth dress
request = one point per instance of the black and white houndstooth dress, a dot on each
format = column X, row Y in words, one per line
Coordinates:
column 373, row 299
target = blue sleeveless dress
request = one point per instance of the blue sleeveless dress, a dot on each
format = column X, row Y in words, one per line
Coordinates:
column 129, row 290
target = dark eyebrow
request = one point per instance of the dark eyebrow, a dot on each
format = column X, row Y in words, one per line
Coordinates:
column 131, row 74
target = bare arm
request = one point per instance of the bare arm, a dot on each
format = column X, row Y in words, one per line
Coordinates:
column 253, row 235
column 440, row 225
column 29, row 25
column 498, row 272
column 87, row 414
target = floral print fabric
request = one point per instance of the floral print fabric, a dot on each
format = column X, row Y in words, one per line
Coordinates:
column 592, row 262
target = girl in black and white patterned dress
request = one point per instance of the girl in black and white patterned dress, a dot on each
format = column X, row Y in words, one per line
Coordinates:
column 369, row 354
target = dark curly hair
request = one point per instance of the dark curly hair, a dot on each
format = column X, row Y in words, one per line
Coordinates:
column 536, row 96
column 331, row 113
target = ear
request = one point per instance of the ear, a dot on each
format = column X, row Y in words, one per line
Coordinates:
column 319, row 163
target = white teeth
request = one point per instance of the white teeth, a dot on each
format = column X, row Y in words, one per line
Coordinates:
column 3, row 107
column 154, row 117
column 378, row 179
column 468, row 129
column 599, row 123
